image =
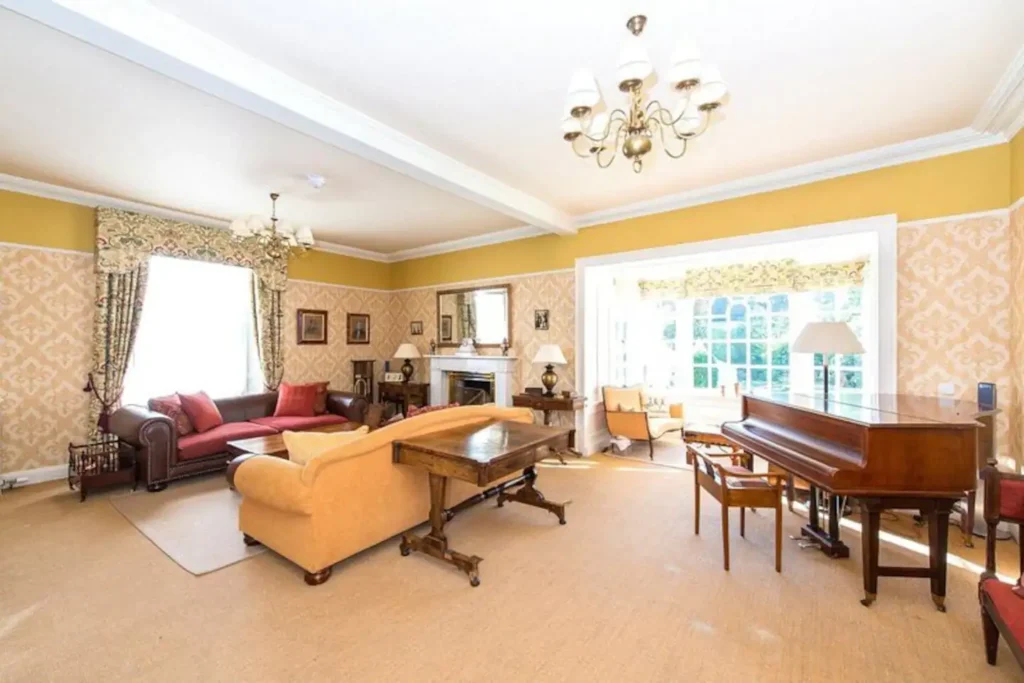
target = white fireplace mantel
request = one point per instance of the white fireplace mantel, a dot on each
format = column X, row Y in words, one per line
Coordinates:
column 501, row 367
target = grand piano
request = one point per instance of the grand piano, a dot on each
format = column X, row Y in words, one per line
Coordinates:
column 891, row 452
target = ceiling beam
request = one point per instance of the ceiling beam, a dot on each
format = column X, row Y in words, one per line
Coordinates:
column 159, row 41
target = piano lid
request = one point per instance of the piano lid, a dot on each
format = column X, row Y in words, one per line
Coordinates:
column 882, row 409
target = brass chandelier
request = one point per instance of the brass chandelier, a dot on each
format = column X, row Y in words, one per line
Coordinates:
column 276, row 238
column 592, row 132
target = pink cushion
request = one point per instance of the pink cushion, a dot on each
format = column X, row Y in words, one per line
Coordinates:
column 298, row 400
column 298, row 424
column 201, row 410
column 212, row 441
column 1011, row 498
column 1008, row 605
column 171, row 407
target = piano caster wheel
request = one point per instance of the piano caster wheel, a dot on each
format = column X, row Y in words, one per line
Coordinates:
column 868, row 599
column 940, row 602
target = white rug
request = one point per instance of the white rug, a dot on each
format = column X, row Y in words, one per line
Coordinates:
column 194, row 522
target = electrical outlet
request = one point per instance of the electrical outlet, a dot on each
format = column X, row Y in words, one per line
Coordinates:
column 947, row 389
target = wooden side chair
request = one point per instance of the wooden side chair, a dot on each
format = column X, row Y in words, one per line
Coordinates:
column 734, row 486
column 1002, row 604
column 625, row 411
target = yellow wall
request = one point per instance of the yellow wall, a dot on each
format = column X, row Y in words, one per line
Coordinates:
column 1017, row 167
column 977, row 180
column 335, row 269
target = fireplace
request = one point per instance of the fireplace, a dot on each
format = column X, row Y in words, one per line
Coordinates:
column 492, row 374
column 470, row 388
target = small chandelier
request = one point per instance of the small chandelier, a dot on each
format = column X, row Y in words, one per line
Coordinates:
column 277, row 239
column 601, row 135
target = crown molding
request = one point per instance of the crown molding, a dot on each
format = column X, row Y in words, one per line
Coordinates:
column 1003, row 111
column 881, row 157
column 151, row 37
column 355, row 252
column 499, row 237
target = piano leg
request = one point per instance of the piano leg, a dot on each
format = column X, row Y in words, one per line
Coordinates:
column 871, row 517
column 938, row 546
column 829, row 542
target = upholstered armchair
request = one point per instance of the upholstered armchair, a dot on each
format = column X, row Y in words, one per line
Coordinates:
column 625, row 410
column 1002, row 604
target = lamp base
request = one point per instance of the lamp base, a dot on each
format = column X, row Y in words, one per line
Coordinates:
column 549, row 379
column 407, row 370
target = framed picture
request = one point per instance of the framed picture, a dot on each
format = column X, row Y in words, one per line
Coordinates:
column 311, row 326
column 357, row 328
column 540, row 319
column 446, row 328
column 416, row 327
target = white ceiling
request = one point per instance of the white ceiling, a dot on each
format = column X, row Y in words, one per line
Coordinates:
column 483, row 82
column 78, row 117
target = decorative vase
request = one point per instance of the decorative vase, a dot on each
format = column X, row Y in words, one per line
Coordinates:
column 549, row 379
column 407, row 370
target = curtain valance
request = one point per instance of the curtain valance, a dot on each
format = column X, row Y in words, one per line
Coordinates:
column 762, row 277
column 125, row 239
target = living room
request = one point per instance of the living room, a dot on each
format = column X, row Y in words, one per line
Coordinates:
column 252, row 257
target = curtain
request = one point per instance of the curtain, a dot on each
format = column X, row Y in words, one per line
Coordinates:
column 119, row 298
column 755, row 278
column 269, row 319
column 124, row 242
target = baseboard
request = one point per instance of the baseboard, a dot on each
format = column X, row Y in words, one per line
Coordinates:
column 38, row 475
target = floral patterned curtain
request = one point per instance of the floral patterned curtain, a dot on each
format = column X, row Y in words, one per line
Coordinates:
column 124, row 242
column 754, row 278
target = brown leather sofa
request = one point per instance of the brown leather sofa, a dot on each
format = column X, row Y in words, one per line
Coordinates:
column 161, row 459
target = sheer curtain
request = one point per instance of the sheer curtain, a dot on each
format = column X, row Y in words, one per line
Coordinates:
column 196, row 333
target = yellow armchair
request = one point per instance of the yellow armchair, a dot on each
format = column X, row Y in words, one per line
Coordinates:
column 625, row 411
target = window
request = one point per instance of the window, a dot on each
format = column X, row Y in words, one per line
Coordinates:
column 196, row 333
column 700, row 344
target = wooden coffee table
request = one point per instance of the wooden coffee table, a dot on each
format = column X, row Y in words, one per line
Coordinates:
column 274, row 444
column 481, row 455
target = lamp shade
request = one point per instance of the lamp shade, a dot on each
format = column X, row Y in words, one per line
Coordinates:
column 685, row 64
column 407, row 350
column 712, row 86
column 634, row 63
column 822, row 337
column 583, row 90
column 549, row 354
column 304, row 235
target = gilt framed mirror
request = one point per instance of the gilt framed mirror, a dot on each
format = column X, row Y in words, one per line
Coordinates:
column 479, row 313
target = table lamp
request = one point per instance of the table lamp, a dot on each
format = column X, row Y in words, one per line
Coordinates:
column 407, row 351
column 826, row 338
column 549, row 355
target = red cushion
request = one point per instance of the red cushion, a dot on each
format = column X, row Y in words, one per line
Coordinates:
column 1011, row 498
column 171, row 407
column 296, row 400
column 414, row 411
column 297, row 424
column 1008, row 605
column 320, row 407
column 215, row 440
column 201, row 410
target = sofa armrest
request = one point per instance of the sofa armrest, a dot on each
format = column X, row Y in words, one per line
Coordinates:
column 141, row 426
column 347, row 404
column 273, row 482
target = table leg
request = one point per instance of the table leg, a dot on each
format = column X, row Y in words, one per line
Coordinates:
column 528, row 495
column 435, row 543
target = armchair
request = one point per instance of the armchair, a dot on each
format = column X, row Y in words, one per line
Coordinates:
column 1002, row 604
column 625, row 411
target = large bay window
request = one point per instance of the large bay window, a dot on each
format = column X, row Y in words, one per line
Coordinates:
column 196, row 333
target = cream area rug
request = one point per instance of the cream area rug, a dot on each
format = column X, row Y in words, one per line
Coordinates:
column 194, row 522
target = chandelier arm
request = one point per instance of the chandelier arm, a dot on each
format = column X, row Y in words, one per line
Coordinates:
column 611, row 121
column 665, row 147
column 614, row 148
column 586, row 154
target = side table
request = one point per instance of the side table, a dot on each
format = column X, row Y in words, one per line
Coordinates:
column 405, row 394
column 549, row 405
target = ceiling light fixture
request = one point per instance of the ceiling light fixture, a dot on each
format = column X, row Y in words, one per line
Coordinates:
column 277, row 239
column 602, row 134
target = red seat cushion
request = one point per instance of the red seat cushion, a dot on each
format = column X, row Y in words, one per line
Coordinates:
column 212, row 441
column 201, row 410
column 296, row 400
column 298, row 424
column 1009, row 606
column 1011, row 498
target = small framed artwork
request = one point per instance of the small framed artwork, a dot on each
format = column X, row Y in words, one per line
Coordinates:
column 446, row 328
column 416, row 327
column 540, row 319
column 358, row 328
column 311, row 326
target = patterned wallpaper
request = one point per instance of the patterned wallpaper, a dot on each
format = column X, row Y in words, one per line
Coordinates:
column 953, row 319
column 1016, row 439
column 555, row 292
column 45, row 348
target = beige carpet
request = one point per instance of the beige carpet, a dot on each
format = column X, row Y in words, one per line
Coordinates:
column 624, row 592
column 194, row 522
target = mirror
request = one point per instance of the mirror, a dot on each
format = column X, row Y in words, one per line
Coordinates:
column 479, row 313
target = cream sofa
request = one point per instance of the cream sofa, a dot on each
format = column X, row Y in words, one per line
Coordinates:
column 349, row 498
